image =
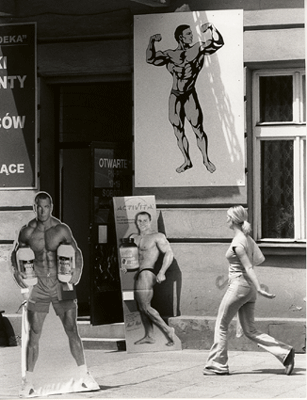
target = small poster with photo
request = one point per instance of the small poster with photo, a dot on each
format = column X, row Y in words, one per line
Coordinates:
column 139, row 247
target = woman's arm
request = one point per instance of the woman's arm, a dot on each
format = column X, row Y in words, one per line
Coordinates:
column 241, row 253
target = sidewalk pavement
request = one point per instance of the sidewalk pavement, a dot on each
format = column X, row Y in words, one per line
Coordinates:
column 171, row 374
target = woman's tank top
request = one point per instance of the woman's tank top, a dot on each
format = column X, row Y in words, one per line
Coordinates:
column 252, row 250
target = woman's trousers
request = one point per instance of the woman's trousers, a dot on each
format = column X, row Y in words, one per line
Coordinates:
column 240, row 298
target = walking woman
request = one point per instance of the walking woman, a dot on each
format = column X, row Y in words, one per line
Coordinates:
column 240, row 298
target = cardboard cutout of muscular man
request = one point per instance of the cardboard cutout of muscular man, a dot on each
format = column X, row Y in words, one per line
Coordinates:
column 184, row 64
column 44, row 234
column 150, row 244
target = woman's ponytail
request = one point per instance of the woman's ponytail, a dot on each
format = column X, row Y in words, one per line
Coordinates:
column 246, row 227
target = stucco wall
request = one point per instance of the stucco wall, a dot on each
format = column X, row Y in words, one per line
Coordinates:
column 93, row 41
column 204, row 276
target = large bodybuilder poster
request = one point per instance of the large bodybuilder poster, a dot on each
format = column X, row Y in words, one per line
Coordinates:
column 142, row 334
column 189, row 99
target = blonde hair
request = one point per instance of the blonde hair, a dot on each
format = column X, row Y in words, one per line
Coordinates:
column 238, row 215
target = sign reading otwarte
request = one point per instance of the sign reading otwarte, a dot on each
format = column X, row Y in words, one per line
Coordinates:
column 125, row 211
column 18, row 153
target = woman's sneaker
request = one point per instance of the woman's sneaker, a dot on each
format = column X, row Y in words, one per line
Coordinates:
column 210, row 371
column 89, row 383
column 289, row 362
column 27, row 389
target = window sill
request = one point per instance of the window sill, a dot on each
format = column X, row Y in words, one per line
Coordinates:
column 283, row 248
column 281, row 123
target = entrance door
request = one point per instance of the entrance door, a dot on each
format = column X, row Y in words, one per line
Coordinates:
column 112, row 177
column 75, row 209
column 91, row 175
column 95, row 116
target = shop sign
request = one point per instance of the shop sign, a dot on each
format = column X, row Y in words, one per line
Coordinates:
column 18, row 118
column 111, row 168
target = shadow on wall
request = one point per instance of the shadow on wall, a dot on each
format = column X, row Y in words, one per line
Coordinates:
column 7, row 334
column 167, row 295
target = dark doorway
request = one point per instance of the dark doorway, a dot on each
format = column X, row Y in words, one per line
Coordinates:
column 94, row 116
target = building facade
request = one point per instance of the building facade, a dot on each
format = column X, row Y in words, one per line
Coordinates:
column 85, row 75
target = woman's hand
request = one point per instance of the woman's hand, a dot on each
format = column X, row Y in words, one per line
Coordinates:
column 266, row 294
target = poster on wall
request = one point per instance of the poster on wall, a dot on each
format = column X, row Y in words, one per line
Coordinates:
column 189, row 99
column 18, row 153
column 141, row 333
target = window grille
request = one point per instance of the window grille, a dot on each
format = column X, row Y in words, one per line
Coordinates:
column 279, row 132
column 277, row 215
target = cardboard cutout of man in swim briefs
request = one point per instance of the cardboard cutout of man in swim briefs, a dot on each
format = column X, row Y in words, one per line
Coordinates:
column 150, row 244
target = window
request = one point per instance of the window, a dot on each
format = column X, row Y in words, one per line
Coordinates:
column 279, row 123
